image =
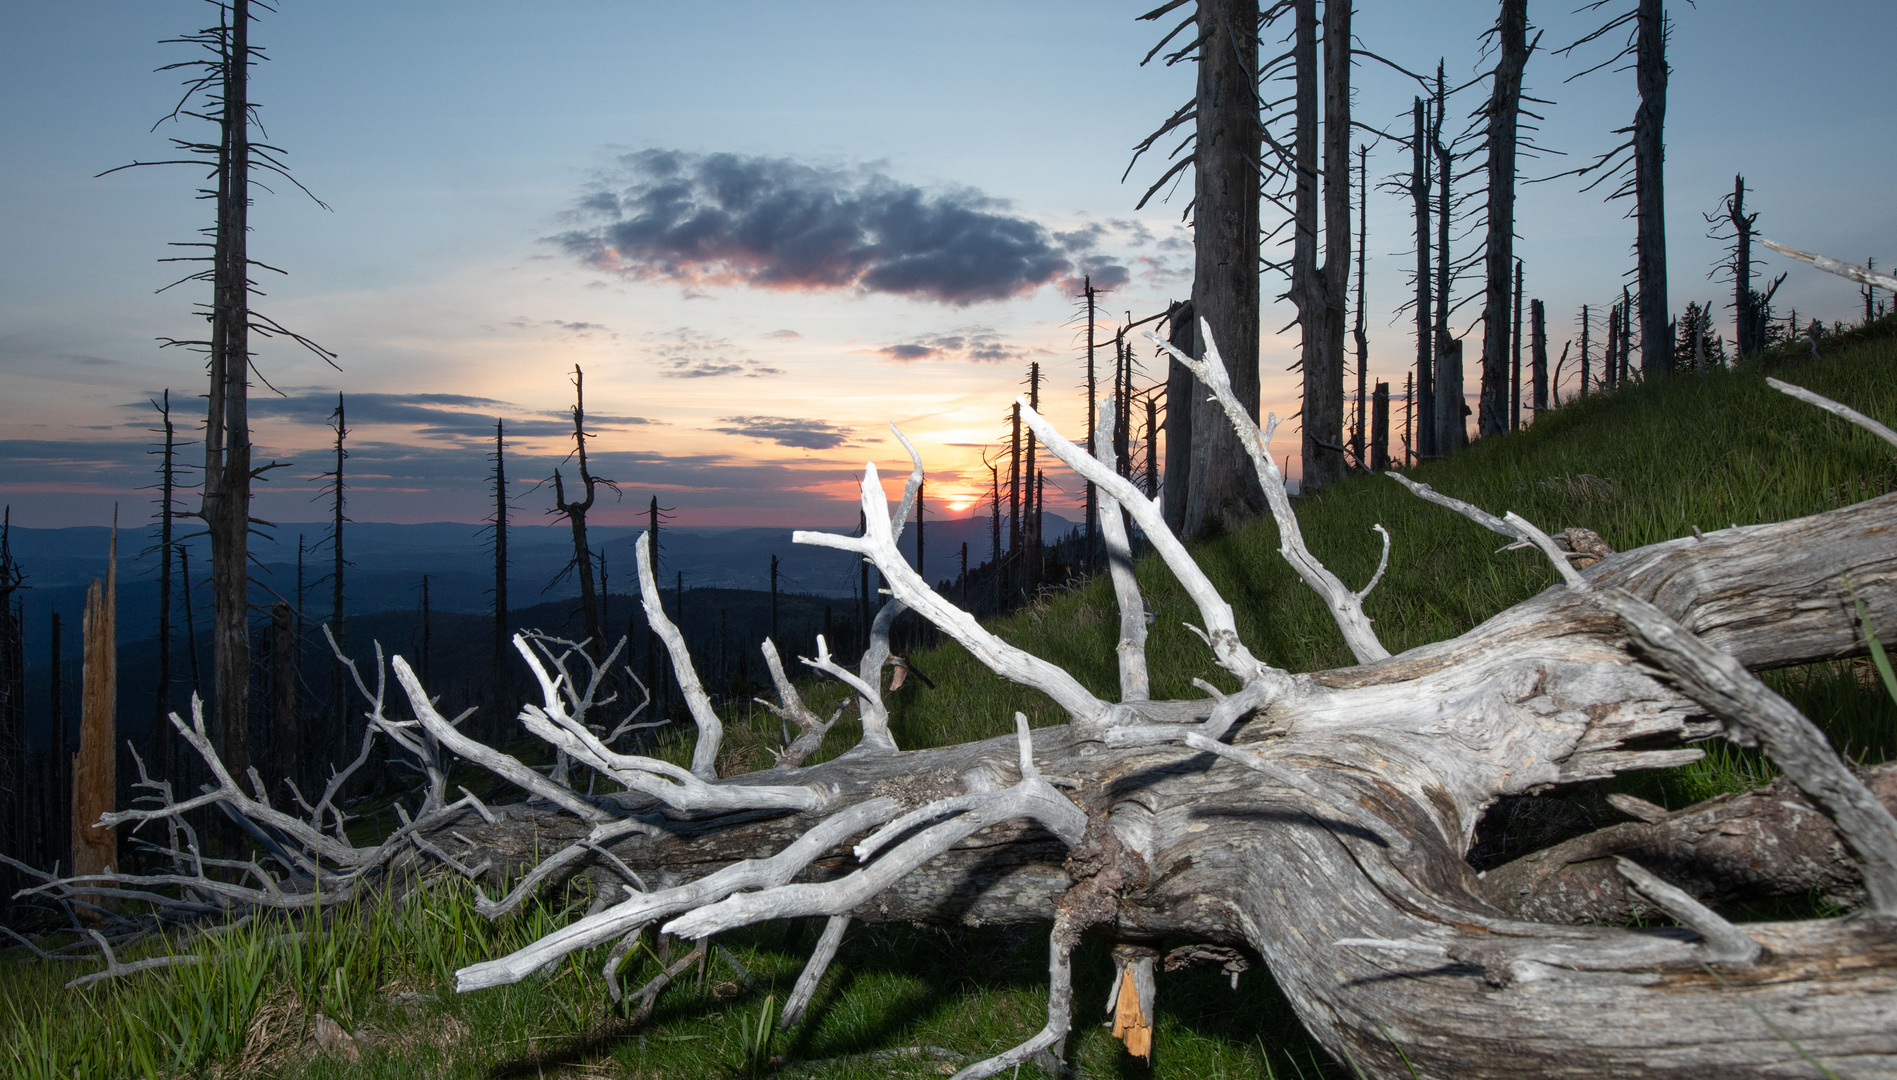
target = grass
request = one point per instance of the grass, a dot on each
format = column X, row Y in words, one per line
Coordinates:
column 1647, row 464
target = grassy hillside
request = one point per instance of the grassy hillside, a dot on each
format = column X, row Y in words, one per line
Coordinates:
column 1646, row 464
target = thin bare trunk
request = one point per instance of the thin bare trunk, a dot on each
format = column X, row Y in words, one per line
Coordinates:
column 1504, row 110
column 1650, row 74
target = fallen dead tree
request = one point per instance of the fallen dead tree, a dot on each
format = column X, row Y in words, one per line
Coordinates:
column 1318, row 820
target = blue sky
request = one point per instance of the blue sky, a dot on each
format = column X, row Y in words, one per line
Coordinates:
column 498, row 176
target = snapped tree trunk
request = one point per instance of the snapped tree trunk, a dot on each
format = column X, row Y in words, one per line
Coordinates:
column 1319, row 292
column 94, row 767
column 1181, row 328
column 1420, row 159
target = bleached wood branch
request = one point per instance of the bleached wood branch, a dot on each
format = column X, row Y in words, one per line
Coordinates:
column 1346, row 605
column 1755, row 715
column 662, row 780
column 790, row 707
column 1060, row 1005
column 1135, row 683
column 1221, row 629
column 1032, row 798
column 114, row 969
column 1834, row 266
column 550, row 868
column 1834, row 408
column 711, row 731
column 812, row 975
column 1010, row 663
column 1511, row 525
column 613, row 922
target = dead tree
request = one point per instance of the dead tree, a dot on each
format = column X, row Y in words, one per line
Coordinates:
column 1317, row 821
column 574, row 511
column 1538, row 356
column 1515, row 357
column 1380, row 428
column 337, row 490
column 1502, row 116
column 94, row 767
column 167, row 506
column 1421, row 160
column 1639, row 163
column 1751, row 309
column 1357, row 327
column 1224, row 141
column 498, row 531
column 1089, row 295
column 217, row 90
column 1320, row 292
column 1180, row 329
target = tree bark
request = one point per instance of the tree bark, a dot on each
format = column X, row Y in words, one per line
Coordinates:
column 1319, row 292
column 1504, row 109
column 1425, row 310
column 1650, row 73
column 1221, row 490
column 94, row 767
column 1181, row 389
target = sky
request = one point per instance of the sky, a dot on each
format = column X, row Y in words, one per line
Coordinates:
column 766, row 232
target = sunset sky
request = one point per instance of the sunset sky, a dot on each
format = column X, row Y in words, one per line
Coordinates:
column 768, row 230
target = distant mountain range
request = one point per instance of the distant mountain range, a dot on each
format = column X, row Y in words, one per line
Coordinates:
column 388, row 561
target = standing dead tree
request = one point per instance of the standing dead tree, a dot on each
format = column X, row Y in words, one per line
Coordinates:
column 1316, row 820
column 1640, row 164
column 1224, row 142
column 574, row 510
column 1751, row 309
column 1501, row 139
column 217, row 90
column 18, row 822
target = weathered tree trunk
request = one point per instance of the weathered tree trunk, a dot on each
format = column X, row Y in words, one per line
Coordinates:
column 1352, row 885
column 1747, row 332
column 1538, row 355
column 338, row 622
column 1319, row 292
column 1180, row 387
column 1452, row 429
column 1504, row 109
column 1357, row 324
column 95, row 766
column 575, row 513
column 1380, row 428
column 1650, row 72
column 161, row 729
column 1420, row 158
column 227, row 468
column 1225, row 243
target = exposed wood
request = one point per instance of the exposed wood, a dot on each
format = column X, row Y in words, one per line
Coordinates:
column 1649, row 150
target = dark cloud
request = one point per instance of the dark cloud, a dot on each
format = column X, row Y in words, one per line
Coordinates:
column 977, row 344
column 786, row 431
column 779, row 223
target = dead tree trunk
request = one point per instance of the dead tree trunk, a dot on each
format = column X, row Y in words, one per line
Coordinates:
column 167, row 475
column 286, row 729
column 1515, row 358
column 94, row 767
column 575, row 513
column 1650, row 72
column 1538, row 355
column 338, row 623
column 500, row 549
column 1504, row 114
column 1225, row 245
column 227, row 468
column 1357, row 326
column 1181, row 328
column 1420, row 159
column 1380, row 428
column 1320, row 292
column 16, row 775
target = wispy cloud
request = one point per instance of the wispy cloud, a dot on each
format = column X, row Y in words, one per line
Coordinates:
column 780, row 223
column 456, row 416
column 786, row 431
column 685, row 353
column 976, row 344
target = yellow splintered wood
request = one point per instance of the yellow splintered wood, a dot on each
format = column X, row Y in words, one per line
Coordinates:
column 95, row 772
column 1129, row 1026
